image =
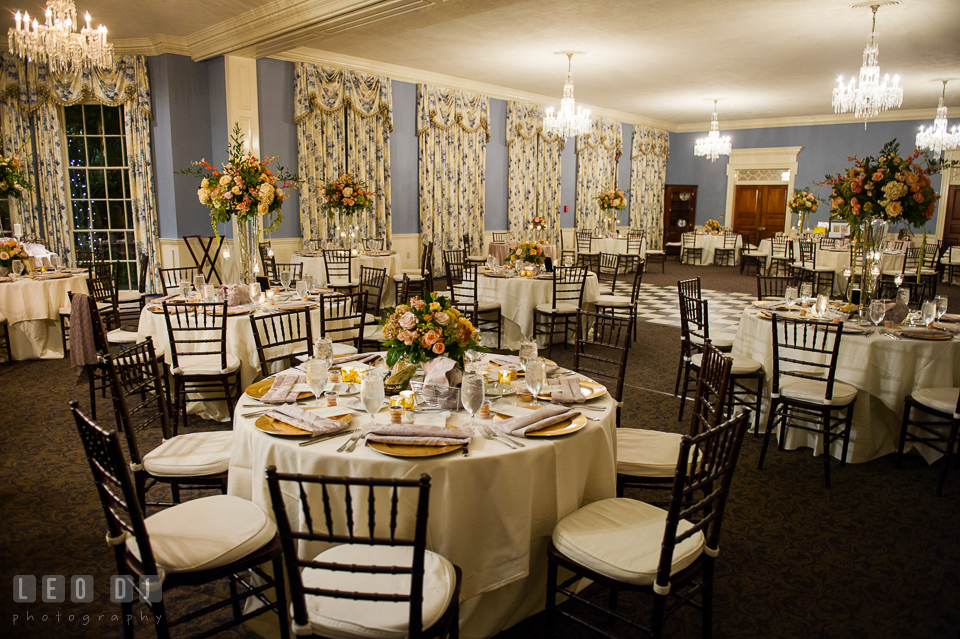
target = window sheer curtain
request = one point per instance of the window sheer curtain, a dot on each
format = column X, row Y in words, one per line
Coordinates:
column 597, row 154
column 648, row 175
column 533, row 170
column 452, row 134
column 344, row 119
column 36, row 93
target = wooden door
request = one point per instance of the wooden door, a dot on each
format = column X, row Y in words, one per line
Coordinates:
column 759, row 206
column 951, row 222
column 679, row 211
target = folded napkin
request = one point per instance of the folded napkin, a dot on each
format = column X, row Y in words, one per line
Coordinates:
column 951, row 328
column 304, row 419
column 857, row 330
column 950, row 317
column 158, row 301
column 418, row 435
column 284, row 389
column 919, row 332
column 363, row 358
column 236, row 294
column 294, row 304
column 536, row 420
column 897, row 311
column 514, row 360
column 769, row 304
column 569, row 391
column 441, row 371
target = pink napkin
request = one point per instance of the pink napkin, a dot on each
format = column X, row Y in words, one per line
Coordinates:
column 415, row 435
column 364, row 358
column 304, row 419
column 536, row 420
column 236, row 294
column 283, row 390
column 569, row 391
column 441, row 371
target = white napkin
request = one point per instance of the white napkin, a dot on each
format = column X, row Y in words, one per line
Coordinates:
column 569, row 391
column 284, row 389
column 441, row 371
column 536, row 420
column 296, row 416
column 418, row 435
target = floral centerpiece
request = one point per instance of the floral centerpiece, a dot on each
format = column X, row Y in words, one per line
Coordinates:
column 712, row 225
column 615, row 199
column 538, row 223
column 348, row 195
column 802, row 203
column 424, row 329
column 13, row 180
column 529, row 252
column 10, row 250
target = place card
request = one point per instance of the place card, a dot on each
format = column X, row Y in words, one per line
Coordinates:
column 510, row 410
column 552, row 388
column 302, row 388
column 330, row 411
column 431, row 419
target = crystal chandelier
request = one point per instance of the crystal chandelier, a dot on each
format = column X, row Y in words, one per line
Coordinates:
column 57, row 42
column 713, row 146
column 571, row 119
column 872, row 96
column 936, row 138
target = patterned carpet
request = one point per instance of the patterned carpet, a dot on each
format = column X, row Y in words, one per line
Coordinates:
column 875, row 556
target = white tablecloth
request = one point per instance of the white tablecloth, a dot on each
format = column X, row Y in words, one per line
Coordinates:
column 501, row 250
column 884, row 371
column 314, row 266
column 491, row 513
column 837, row 260
column 518, row 296
column 710, row 243
column 32, row 309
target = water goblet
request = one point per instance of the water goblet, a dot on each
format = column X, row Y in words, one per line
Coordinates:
column 806, row 292
column 528, row 351
column 876, row 312
column 536, row 373
column 903, row 295
column 471, row 394
column 185, row 290
column 941, row 303
column 317, row 376
column 302, row 289
column 821, row 306
column 17, row 266
column 371, row 392
column 198, row 282
column 56, row 263
column 928, row 311
column 255, row 291
column 209, row 293
column 323, row 348
column 285, row 277
column 790, row 296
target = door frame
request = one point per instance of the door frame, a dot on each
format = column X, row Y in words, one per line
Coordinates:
column 949, row 177
column 777, row 157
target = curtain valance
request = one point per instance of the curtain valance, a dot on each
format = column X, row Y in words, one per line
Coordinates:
column 34, row 85
column 605, row 134
column 444, row 108
column 525, row 121
column 648, row 140
column 330, row 90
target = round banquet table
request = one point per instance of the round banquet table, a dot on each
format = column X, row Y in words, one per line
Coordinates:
column 883, row 371
column 615, row 245
column 518, row 296
column 240, row 344
column 836, row 259
column 501, row 250
column 710, row 243
column 32, row 308
column 313, row 265
column 491, row 513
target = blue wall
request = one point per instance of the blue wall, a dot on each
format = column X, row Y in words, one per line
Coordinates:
column 623, row 171
column 495, row 206
column 405, row 190
column 278, row 133
column 825, row 151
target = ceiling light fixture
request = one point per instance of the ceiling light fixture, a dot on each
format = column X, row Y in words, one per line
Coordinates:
column 57, row 42
column 713, row 146
column 936, row 138
column 571, row 119
column 872, row 96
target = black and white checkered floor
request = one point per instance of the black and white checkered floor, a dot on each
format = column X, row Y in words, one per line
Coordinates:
column 660, row 305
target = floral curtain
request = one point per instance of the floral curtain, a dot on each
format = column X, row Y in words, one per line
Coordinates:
column 15, row 124
column 37, row 93
column 648, row 174
column 597, row 155
column 452, row 131
column 344, row 119
column 533, row 170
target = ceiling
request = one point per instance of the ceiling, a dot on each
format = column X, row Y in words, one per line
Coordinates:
column 769, row 62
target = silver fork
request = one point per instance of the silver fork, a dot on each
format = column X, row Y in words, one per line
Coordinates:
column 500, row 438
column 351, row 443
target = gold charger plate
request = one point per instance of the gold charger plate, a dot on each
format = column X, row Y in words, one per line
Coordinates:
column 403, row 450
column 257, row 390
column 590, row 390
column 273, row 426
column 566, row 427
column 925, row 333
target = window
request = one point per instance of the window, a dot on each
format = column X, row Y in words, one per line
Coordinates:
column 99, row 190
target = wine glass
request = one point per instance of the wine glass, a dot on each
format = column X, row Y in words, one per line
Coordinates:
column 941, row 303
column 903, row 295
column 528, row 351
column 317, row 371
column 302, row 289
column 821, row 307
column 55, row 262
column 371, row 392
column 876, row 312
column 285, row 277
column 323, row 348
column 198, row 282
column 536, row 372
column 185, row 290
column 471, row 394
column 209, row 293
column 255, row 292
column 806, row 292
column 17, row 266
column 928, row 311
column 790, row 296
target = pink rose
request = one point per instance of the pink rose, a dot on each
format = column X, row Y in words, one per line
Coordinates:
column 430, row 338
column 441, row 318
column 408, row 321
column 417, row 303
column 438, row 348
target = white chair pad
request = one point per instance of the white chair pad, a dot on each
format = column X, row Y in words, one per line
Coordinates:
column 66, row 310
column 371, row 320
column 372, row 333
column 350, row 619
column 562, row 309
column 621, row 538
column 205, row 533
column 741, row 365
column 120, row 336
column 614, row 300
column 342, row 282
column 192, row 454
column 477, row 258
column 413, row 276
column 672, row 244
column 343, row 349
column 486, row 307
column 206, row 364
column 941, row 399
column 814, row 391
column 647, row 453
column 719, row 340
column 129, row 296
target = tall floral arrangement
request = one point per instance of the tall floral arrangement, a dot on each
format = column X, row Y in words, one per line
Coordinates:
column 530, row 252
column 427, row 328
column 348, row 194
column 13, row 180
column 245, row 187
column 802, row 203
column 615, row 199
column 538, row 223
column 712, row 225
column 10, row 250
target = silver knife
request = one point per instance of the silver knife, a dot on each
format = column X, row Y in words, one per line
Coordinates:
column 323, row 438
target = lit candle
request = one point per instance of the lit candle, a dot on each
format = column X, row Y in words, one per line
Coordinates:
column 18, row 18
column 17, row 230
column 48, row 14
column 87, row 18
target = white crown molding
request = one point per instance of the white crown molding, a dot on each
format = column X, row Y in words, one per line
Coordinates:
column 807, row 120
column 409, row 74
column 157, row 44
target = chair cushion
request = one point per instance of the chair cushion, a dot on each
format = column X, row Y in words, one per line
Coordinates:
column 349, row 618
column 205, row 533
column 372, row 333
column 741, row 365
column 719, row 340
column 614, row 300
column 562, row 309
column 335, row 282
column 413, row 276
column 647, row 453
column 205, row 364
column 485, row 307
column 65, row 310
column 120, row 336
column 129, row 296
column 654, row 252
column 621, row 538
column 191, row 454
column 940, row 399
column 477, row 258
column 340, row 348
column 812, row 390
column 673, row 244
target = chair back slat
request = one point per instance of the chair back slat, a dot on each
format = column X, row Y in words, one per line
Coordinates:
column 500, row 236
column 568, row 282
column 805, row 350
column 584, row 241
column 137, row 390
column 711, row 398
column 173, row 276
column 603, row 347
column 280, row 337
column 371, row 283
column 773, row 287
column 338, row 263
column 634, row 241
column 689, row 288
column 195, row 330
column 343, row 317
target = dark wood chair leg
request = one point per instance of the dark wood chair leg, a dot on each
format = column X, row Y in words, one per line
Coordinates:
column 774, row 405
column 825, row 417
column 903, row 430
